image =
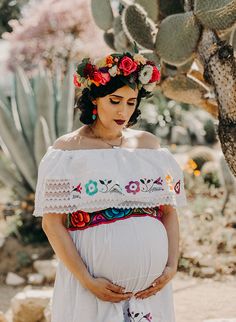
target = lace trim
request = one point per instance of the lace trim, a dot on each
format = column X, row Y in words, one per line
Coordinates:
column 103, row 204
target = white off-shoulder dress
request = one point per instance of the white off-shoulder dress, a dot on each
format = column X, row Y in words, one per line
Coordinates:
column 130, row 251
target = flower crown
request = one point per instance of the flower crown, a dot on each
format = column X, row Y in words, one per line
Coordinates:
column 133, row 70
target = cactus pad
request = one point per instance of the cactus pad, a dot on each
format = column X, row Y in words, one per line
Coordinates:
column 102, row 14
column 138, row 27
column 217, row 14
column 151, row 7
column 177, row 38
column 108, row 36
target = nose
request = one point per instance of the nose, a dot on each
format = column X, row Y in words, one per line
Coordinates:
column 123, row 110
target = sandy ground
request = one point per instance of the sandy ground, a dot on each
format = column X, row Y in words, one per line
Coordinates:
column 195, row 299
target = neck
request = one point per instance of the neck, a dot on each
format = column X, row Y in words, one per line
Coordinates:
column 106, row 134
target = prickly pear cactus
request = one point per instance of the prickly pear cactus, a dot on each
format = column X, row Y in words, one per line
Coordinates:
column 183, row 28
column 194, row 42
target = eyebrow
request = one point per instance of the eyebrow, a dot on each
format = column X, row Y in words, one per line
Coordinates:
column 118, row 96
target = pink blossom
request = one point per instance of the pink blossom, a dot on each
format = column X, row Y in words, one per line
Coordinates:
column 53, row 32
column 127, row 65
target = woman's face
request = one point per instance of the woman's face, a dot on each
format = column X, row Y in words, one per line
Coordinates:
column 118, row 105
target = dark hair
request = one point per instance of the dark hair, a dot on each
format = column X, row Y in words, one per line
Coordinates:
column 85, row 105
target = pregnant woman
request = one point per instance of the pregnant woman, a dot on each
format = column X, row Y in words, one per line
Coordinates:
column 108, row 196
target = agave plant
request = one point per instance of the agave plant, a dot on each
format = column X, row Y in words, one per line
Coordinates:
column 193, row 42
column 38, row 111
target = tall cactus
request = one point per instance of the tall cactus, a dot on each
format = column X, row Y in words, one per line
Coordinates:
column 179, row 33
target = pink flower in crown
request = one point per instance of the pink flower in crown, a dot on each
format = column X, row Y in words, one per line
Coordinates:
column 133, row 187
column 127, row 65
column 101, row 78
column 105, row 78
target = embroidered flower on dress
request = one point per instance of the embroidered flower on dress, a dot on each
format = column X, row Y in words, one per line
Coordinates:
column 177, row 187
column 116, row 212
column 79, row 218
column 78, row 188
column 133, row 187
column 169, row 181
column 91, row 187
column 138, row 316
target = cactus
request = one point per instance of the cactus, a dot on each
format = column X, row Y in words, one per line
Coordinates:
column 29, row 122
column 233, row 38
column 102, row 13
column 217, row 14
column 210, row 173
column 200, row 155
column 151, row 7
column 135, row 19
column 190, row 40
column 210, row 132
column 109, row 39
column 181, row 28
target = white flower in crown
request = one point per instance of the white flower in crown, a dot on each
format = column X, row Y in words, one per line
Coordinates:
column 145, row 74
column 149, row 87
column 113, row 71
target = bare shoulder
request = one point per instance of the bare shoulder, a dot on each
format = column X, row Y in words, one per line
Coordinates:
column 145, row 139
column 66, row 141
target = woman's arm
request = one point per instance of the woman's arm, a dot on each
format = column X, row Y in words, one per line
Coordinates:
column 171, row 223
column 63, row 246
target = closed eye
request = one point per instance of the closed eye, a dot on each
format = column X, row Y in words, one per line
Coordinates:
column 117, row 102
column 114, row 102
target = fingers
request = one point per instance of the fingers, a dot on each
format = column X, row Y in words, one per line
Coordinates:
column 116, row 297
column 115, row 293
column 115, row 288
column 156, row 286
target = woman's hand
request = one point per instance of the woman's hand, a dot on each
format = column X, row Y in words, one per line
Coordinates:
column 107, row 291
column 167, row 274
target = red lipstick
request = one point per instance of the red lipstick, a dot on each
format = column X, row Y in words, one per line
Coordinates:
column 119, row 121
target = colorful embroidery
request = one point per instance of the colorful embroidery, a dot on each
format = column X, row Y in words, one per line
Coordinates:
column 91, row 187
column 150, row 185
column 133, row 187
column 139, row 316
column 81, row 219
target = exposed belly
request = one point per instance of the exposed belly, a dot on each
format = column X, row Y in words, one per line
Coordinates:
column 130, row 253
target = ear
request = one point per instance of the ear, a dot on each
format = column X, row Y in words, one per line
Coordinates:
column 94, row 101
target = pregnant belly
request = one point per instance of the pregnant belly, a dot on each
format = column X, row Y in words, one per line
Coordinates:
column 130, row 253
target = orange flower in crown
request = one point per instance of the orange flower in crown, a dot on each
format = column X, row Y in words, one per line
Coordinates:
column 132, row 69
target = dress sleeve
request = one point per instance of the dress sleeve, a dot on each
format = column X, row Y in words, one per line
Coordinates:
column 175, row 180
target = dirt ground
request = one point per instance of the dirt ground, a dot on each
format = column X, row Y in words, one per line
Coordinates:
column 195, row 299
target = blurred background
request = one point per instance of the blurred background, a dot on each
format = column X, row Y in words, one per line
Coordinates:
column 192, row 111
